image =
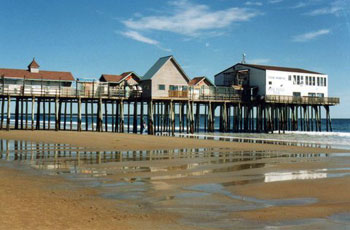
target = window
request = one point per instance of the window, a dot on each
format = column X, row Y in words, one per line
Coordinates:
column 296, row 94
column 320, row 95
column 325, row 82
column 289, row 77
column 270, row 82
column 302, row 80
column 294, row 79
column 313, row 80
column 318, row 81
column 298, row 80
column 312, row 94
column 161, row 87
column 307, row 80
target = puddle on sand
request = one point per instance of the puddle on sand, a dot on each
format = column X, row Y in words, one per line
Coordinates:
column 140, row 176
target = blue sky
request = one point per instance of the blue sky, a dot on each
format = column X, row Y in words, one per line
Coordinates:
column 92, row 37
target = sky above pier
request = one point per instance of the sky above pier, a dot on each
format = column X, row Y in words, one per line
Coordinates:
column 92, row 37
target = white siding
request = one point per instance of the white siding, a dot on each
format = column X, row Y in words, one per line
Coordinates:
column 281, row 85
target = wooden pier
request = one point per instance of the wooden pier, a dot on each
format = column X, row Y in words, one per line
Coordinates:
column 115, row 112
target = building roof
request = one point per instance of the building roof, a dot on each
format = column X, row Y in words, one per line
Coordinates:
column 33, row 64
column 42, row 75
column 159, row 64
column 118, row 78
column 111, row 78
column 276, row 68
column 197, row 80
column 279, row 68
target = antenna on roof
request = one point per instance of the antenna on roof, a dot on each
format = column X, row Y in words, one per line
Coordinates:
column 243, row 58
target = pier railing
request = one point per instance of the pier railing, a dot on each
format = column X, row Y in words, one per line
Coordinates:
column 49, row 91
column 302, row 100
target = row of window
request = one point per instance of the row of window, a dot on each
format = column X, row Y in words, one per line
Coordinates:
column 173, row 87
column 309, row 80
column 298, row 94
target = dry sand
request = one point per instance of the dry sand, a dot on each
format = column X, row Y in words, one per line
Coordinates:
column 46, row 202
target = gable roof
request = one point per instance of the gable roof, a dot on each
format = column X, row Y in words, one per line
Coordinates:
column 118, row 78
column 33, row 64
column 159, row 64
column 276, row 68
column 42, row 75
column 197, row 80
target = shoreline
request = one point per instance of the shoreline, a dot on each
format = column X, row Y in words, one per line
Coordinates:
column 123, row 141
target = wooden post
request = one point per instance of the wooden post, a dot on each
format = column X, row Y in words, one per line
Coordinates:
column 128, row 116
column 49, row 115
column 141, row 118
column 92, row 110
column 16, row 112
column 117, row 122
column 134, row 125
column 71, row 115
column 121, row 116
column 22, row 111
column 44, row 114
column 33, row 104
column 8, row 113
column 172, row 117
column 56, row 114
column 2, row 112
column 106, row 115
column 38, row 114
column 150, row 128
column 113, row 115
column 79, row 114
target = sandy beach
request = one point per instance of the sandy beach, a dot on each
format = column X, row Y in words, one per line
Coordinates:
column 166, row 190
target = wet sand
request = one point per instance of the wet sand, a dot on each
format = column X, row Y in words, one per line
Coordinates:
column 121, row 141
column 190, row 191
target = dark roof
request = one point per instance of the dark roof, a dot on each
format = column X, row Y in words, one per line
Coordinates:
column 111, row 78
column 118, row 78
column 279, row 68
column 196, row 80
column 42, row 75
column 33, row 64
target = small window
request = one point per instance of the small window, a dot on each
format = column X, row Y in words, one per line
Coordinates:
column 296, row 94
column 298, row 80
column 306, row 80
column 313, row 80
column 318, row 81
column 161, row 87
column 270, row 82
column 289, row 77
column 325, row 82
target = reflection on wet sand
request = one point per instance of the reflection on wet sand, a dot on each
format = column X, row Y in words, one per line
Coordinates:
column 195, row 182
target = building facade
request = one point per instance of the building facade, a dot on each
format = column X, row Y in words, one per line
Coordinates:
column 275, row 81
column 35, row 81
column 165, row 79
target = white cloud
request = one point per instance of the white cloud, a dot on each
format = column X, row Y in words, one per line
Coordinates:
column 334, row 8
column 258, row 61
column 299, row 5
column 310, row 35
column 191, row 19
column 275, row 1
column 139, row 37
column 249, row 3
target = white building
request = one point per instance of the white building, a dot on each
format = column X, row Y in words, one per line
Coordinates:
column 274, row 80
